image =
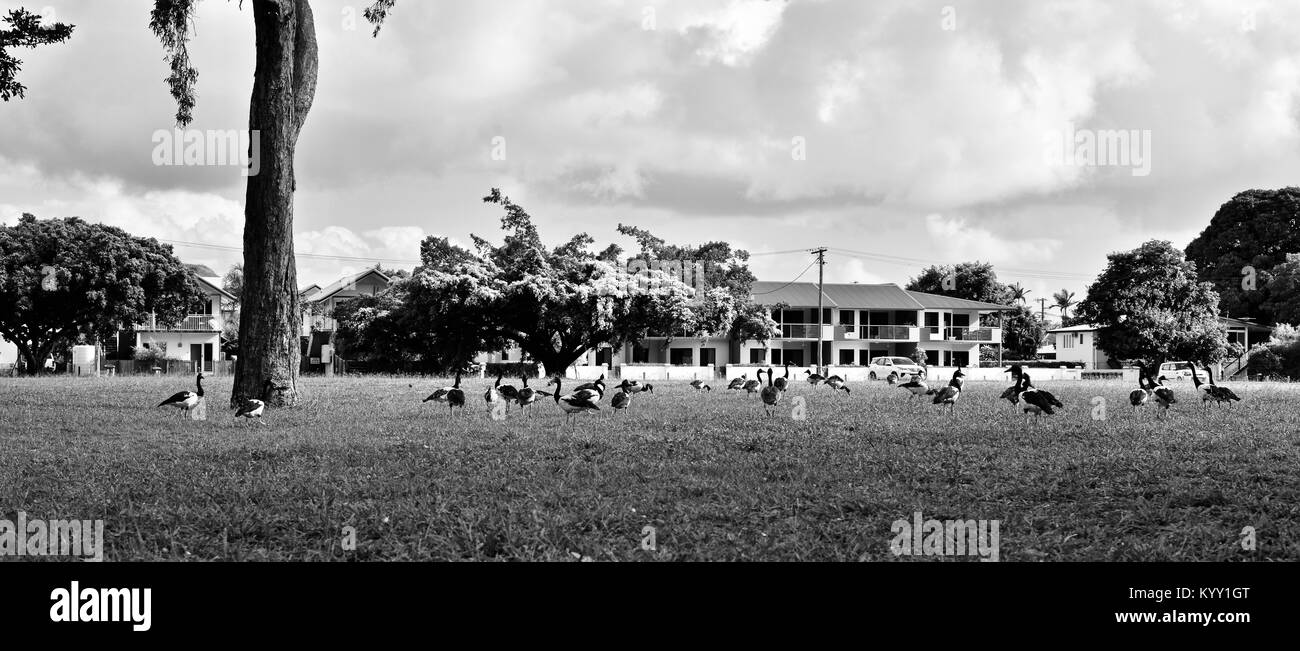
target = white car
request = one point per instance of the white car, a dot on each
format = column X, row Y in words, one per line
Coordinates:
column 1176, row 370
column 882, row 367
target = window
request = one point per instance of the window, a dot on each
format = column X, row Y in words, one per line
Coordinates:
column 681, row 356
column 640, row 354
column 505, row 355
column 776, row 356
column 847, row 357
column 847, row 317
column 1067, row 341
column 756, row 355
column 795, row 357
column 932, row 358
column 960, row 358
column 708, row 357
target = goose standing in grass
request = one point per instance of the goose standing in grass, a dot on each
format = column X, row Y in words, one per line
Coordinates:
column 783, row 381
column 634, row 386
column 622, row 398
column 492, row 396
column 251, row 408
column 592, row 391
column 836, row 382
column 770, row 394
column 453, row 396
column 573, row 403
column 1012, row 393
column 950, row 394
column 1140, row 396
column 526, row 395
column 1164, row 395
column 1037, row 401
column 699, row 385
column 738, row 382
column 1206, row 390
column 184, row 401
column 1221, row 394
column 892, row 379
column 751, row 387
column 916, row 386
column 814, row 378
column 508, row 391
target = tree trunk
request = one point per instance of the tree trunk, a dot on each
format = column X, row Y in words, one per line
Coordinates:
column 283, row 88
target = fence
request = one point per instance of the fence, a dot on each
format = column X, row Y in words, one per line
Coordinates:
column 166, row 367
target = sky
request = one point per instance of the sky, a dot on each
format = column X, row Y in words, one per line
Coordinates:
column 935, row 132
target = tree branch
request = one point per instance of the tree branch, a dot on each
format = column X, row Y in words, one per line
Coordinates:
column 305, row 65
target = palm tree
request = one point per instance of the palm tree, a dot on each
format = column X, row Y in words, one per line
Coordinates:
column 1017, row 292
column 1064, row 301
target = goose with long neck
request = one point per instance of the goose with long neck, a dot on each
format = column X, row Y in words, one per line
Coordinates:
column 184, row 401
column 783, row 381
column 572, row 404
column 1221, row 394
column 771, row 395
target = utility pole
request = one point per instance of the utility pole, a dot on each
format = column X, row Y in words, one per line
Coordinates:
column 1042, row 311
column 821, row 266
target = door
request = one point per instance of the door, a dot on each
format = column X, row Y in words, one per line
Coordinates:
column 196, row 356
column 708, row 357
column 932, row 325
column 207, row 357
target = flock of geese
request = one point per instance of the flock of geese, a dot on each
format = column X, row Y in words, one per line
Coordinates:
column 586, row 398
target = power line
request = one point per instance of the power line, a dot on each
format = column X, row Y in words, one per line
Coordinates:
column 796, row 279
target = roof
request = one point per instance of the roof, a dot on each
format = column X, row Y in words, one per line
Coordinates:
column 937, row 301
column 883, row 296
column 1076, row 328
column 214, row 287
column 343, row 283
column 1243, row 323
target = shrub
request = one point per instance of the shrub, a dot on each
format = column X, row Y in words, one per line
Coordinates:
column 153, row 353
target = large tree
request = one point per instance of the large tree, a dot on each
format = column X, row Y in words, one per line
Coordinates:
column 1247, row 237
column 973, row 281
column 284, row 87
column 60, row 278
column 1150, row 307
column 25, row 30
column 558, row 303
column 1283, row 302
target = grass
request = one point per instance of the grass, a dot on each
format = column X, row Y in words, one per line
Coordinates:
column 714, row 477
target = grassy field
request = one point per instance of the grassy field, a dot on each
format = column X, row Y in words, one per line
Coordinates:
column 715, row 478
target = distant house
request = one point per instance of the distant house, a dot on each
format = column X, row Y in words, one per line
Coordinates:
column 859, row 322
column 318, row 304
column 1079, row 343
column 197, row 338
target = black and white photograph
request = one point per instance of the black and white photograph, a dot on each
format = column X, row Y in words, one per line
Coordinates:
column 938, row 289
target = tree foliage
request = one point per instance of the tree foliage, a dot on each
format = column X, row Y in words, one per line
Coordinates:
column 973, row 281
column 60, row 278
column 1282, row 298
column 1022, row 333
column 1150, row 307
column 25, row 30
column 554, row 303
column 1254, row 231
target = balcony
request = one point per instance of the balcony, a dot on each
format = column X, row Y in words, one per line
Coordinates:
column 321, row 323
column 887, row 332
column 807, row 331
column 961, row 333
column 191, row 323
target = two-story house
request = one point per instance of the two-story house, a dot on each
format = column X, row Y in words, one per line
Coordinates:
column 858, row 322
column 197, row 338
column 318, row 303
